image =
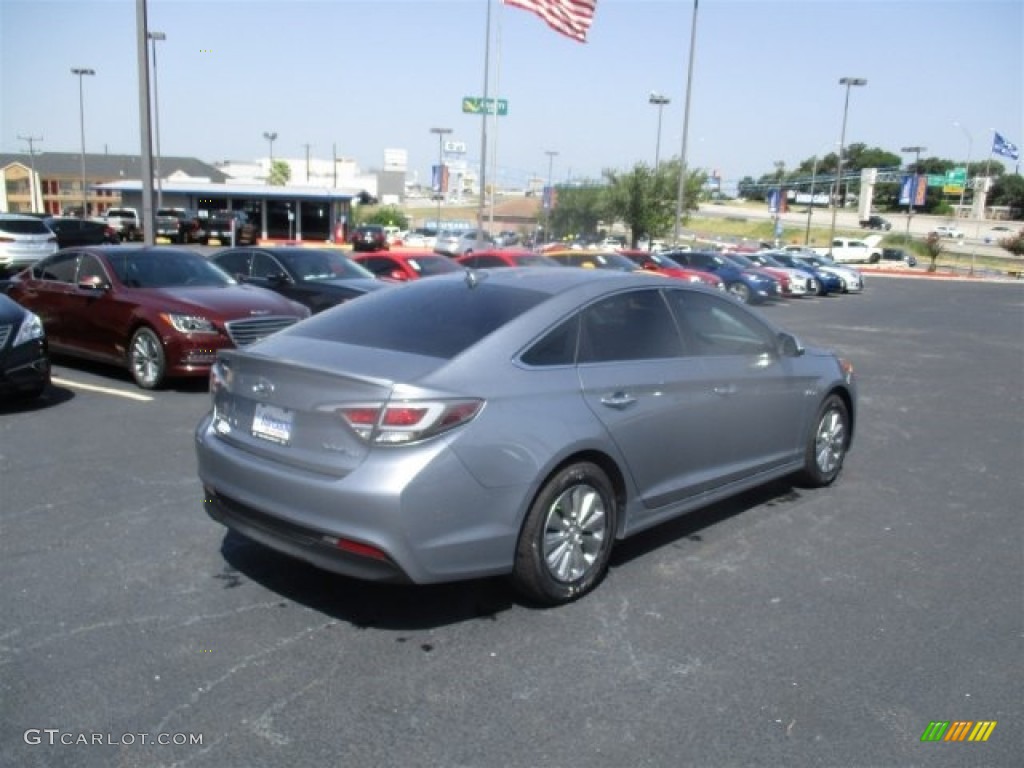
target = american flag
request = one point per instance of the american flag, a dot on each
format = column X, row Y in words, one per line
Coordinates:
column 1001, row 146
column 568, row 17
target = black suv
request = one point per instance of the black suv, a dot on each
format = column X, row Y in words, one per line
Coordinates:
column 369, row 237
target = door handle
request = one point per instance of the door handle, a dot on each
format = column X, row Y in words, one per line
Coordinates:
column 725, row 390
column 619, row 400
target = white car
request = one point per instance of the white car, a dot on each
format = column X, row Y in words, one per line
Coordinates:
column 948, row 231
column 460, row 243
column 996, row 234
column 24, row 240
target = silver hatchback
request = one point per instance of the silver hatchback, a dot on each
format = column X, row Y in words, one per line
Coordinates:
column 515, row 421
column 24, row 240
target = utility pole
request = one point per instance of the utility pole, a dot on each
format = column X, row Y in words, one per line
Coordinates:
column 32, row 162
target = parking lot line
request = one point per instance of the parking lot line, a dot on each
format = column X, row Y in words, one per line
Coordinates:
column 103, row 390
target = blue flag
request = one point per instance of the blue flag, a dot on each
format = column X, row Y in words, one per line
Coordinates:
column 1001, row 146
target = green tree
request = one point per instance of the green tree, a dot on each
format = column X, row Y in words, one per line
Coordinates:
column 385, row 216
column 1008, row 189
column 280, row 173
column 646, row 200
column 578, row 211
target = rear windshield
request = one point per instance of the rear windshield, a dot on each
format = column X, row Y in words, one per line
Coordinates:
column 436, row 318
column 24, row 227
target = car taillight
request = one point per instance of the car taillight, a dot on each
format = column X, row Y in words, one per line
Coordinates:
column 401, row 423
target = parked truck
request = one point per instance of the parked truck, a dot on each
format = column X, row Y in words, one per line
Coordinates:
column 179, row 225
column 848, row 250
column 125, row 222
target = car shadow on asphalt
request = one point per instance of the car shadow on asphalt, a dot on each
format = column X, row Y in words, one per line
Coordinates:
column 118, row 376
column 411, row 607
column 52, row 396
column 361, row 603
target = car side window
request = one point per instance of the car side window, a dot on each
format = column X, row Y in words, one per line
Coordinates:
column 557, row 347
column 59, row 269
column 717, row 327
column 635, row 325
column 379, row 265
column 264, row 266
column 235, row 263
column 89, row 266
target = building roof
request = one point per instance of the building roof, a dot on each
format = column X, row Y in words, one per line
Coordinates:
column 110, row 166
column 193, row 187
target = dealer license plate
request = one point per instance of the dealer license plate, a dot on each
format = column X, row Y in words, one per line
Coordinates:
column 272, row 423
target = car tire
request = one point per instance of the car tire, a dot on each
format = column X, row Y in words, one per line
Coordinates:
column 146, row 359
column 818, row 287
column 827, row 443
column 567, row 537
column 740, row 291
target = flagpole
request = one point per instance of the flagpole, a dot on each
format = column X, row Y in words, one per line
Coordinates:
column 483, row 135
column 681, row 196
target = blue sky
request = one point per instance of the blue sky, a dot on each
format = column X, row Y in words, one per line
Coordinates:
column 366, row 75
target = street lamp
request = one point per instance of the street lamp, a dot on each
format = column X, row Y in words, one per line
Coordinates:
column 441, row 133
column 913, row 187
column 269, row 136
column 81, row 72
column 156, row 37
column 549, row 199
column 659, row 101
column 849, row 82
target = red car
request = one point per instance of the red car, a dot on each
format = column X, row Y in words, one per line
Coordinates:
column 159, row 312
column 655, row 262
column 410, row 265
column 506, row 257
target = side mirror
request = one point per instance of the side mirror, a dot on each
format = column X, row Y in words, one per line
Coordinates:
column 789, row 345
column 280, row 278
column 397, row 274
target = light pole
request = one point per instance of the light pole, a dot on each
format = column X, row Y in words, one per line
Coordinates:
column 269, row 136
column 913, row 187
column 659, row 101
column 849, row 82
column 810, row 205
column 441, row 133
column 81, row 72
column 549, row 197
column 681, row 193
column 157, row 37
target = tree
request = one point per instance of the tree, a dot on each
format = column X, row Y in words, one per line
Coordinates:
column 577, row 211
column 1008, row 190
column 385, row 216
column 646, row 200
column 280, row 173
column 933, row 246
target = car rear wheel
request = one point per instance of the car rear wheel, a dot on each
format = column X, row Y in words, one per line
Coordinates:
column 827, row 444
column 740, row 291
column 566, row 541
column 146, row 359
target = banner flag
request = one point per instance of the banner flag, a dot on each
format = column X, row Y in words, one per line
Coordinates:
column 1001, row 146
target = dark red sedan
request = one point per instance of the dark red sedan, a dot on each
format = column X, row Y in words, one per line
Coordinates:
column 160, row 312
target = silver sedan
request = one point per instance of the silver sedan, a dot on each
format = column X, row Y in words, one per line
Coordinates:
column 515, row 421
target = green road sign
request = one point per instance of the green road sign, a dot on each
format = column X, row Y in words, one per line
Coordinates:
column 936, row 179
column 474, row 105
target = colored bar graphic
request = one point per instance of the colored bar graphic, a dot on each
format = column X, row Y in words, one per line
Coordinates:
column 959, row 730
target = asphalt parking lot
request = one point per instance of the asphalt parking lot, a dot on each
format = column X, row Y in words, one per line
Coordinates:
column 782, row 628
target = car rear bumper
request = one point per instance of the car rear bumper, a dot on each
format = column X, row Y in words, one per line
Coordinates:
column 430, row 522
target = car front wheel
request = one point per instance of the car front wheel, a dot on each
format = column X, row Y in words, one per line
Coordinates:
column 566, row 541
column 740, row 291
column 146, row 359
column 827, row 444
